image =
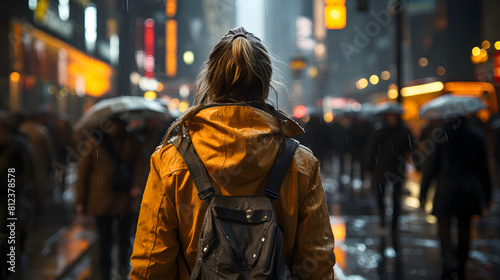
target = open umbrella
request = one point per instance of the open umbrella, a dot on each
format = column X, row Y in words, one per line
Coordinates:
column 124, row 107
column 450, row 106
column 388, row 107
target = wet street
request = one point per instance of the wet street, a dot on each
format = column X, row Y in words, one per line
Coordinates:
column 366, row 251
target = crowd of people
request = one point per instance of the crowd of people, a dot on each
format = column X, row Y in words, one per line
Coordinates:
column 451, row 155
column 373, row 149
column 43, row 148
column 113, row 168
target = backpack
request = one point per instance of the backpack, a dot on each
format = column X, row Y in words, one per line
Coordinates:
column 240, row 237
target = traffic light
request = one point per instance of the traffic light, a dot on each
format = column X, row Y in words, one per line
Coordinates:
column 335, row 14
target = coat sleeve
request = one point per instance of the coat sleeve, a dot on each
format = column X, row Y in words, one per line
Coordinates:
column 156, row 241
column 313, row 256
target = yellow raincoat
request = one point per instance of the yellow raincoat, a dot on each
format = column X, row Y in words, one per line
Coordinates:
column 237, row 145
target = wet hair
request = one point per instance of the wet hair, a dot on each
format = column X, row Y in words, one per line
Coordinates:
column 238, row 70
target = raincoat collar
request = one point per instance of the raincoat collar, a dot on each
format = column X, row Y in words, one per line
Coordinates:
column 239, row 140
column 289, row 126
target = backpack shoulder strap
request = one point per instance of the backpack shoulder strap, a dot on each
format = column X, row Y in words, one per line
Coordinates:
column 195, row 166
column 200, row 176
column 280, row 167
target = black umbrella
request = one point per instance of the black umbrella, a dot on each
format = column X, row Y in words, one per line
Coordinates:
column 388, row 107
column 123, row 107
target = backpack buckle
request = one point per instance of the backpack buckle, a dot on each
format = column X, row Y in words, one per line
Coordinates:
column 271, row 194
column 206, row 194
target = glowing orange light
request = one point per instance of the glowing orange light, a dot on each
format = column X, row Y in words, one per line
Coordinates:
column 441, row 70
column 159, row 87
column 422, row 89
column 14, row 76
column 298, row 64
column 486, row 44
column 476, row 51
column 96, row 74
column 328, row 117
column 183, row 105
column 171, row 8
column 497, row 45
column 476, row 89
column 385, row 75
column 174, row 103
column 392, row 93
column 339, row 233
column 362, row 83
column 423, row 61
column 171, row 47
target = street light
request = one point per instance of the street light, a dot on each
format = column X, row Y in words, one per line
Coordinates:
column 362, row 83
column 374, row 79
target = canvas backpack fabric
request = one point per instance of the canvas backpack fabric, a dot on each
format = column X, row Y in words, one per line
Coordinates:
column 240, row 237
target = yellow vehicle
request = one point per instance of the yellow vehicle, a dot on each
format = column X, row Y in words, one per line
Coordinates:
column 414, row 97
column 485, row 91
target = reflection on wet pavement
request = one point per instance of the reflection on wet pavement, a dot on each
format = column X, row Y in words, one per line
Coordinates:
column 366, row 251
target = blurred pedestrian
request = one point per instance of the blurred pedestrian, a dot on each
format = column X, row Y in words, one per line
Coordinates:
column 16, row 169
column 237, row 136
column 339, row 140
column 316, row 137
column 44, row 156
column 389, row 151
column 359, row 134
column 64, row 141
column 423, row 144
column 495, row 130
column 463, row 189
column 110, row 176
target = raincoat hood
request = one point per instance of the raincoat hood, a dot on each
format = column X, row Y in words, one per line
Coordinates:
column 239, row 141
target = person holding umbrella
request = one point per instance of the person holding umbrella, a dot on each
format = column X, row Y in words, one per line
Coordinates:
column 110, row 175
column 463, row 188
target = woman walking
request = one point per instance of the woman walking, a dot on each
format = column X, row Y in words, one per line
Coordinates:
column 237, row 136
